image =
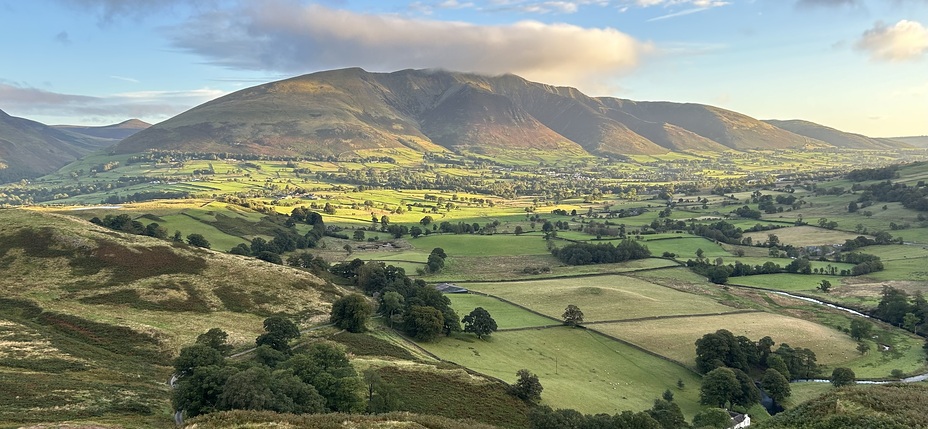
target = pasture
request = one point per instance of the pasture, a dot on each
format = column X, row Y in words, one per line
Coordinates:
column 578, row 368
column 482, row 245
column 801, row 236
column 507, row 316
column 601, row 298
column 675, row 337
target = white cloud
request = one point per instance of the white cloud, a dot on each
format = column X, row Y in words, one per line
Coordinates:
column 906, row 40
column 287, row 37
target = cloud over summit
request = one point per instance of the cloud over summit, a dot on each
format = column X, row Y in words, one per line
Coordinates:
column 292, row 38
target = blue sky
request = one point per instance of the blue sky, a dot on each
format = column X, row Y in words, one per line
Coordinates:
column 856, row 65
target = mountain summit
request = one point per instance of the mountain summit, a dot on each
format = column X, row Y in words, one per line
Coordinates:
column 342, row 111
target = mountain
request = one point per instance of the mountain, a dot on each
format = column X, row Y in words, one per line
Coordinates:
column 30, row 149
column 835, row 137
column 114, row 132
column 343, row 111
column 916, row 141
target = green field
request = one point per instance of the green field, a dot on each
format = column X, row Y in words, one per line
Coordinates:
column 507, row 316
column 613, row 297
column 482, row 245
column 613, row 376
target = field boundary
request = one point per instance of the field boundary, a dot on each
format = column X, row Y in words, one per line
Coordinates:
column 635, row 346
column 568, row 276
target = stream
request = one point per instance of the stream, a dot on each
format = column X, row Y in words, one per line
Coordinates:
column 913, row 379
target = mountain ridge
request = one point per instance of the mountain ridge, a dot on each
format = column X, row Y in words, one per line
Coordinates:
column 30, row 149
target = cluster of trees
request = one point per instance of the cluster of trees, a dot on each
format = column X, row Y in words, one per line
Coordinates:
column 586, row 253
column 424, row 312
column 145, row 196
column 318, row 379
column 286, row 237
column 899, row 308
column 125, row 223
column 724, row 349
column 882, row 173
column 718, row 273
column 912, row 197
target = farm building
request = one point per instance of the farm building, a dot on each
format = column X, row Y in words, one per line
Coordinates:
column 450, row 288
column 739, row 421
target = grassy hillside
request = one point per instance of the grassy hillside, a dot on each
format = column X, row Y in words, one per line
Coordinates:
column 91, row 318
column 894, row 406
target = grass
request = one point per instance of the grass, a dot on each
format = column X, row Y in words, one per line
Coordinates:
column 578, row 369
column 601, row 298
column 507, row 316
column 801, row 236
column 495, row 268
column 675, row 338
column 482, row 245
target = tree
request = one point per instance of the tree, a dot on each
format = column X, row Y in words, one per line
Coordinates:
column 351, row 312
column 215, row 338
column 863, row 347
column 824, row 286
column 572, row 315
column 527, row 387
column 715, row 418
column 667, row 395
column 668, row 414
column 424, row 323
column 197, row 240
column 718, row 275
column 776, row 362
column 518, row 230
column 196, row 356
column 391, row 303
column 278, row 333
column 700, row 253
column 359, row 235
column 719, row 387
column 843, row 377
column 479, row 322
column 860, row 329
column 748, row 394
column 910, row 322
column 775, row 385
column 415, row 232
column 198, row 392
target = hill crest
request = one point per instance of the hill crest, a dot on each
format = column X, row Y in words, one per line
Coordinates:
column 342, row 111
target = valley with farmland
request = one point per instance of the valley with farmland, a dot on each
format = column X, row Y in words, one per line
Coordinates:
column 275, row 259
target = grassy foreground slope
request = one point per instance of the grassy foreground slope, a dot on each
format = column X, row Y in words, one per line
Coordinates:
column 91, row 318
column 890, row 406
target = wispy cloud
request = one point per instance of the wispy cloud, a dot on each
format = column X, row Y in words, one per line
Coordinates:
column 678, row 14
column 19, row 99
column 904, row 41
column 125, row 79
column 290, row 38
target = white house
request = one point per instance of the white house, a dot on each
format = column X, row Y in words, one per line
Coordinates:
column 739, row 421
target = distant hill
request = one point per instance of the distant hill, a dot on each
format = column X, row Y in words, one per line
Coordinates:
column 31, row 149
column 916, row 141
column 114, row 132
column 339, row 112
column 835, row 137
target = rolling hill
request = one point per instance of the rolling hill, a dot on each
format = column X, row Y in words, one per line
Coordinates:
column 113, row 132
column 30, row 149
column 338, row 112
column 91, row 318
column 835, row 137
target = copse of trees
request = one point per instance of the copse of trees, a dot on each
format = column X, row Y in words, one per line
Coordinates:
column 724, row 349
column 586, row 253
column 351, row 312
column 426, row 313
column 317, row 380
column 126, row 224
